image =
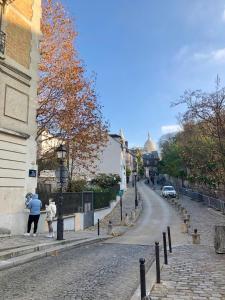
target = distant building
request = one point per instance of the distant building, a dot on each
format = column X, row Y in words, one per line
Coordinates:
column 19, row 57
column 150, row 159
column 112, row 160
column 149, row 145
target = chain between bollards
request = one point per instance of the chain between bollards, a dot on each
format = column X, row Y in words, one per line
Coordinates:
column 98, row 227
column 165, row 249
column 142, row 278
column 169, row 239
column 157, row 262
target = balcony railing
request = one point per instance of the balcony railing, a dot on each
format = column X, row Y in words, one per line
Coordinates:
column 2, row 42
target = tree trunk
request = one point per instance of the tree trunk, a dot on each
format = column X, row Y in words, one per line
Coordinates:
column 219, row 239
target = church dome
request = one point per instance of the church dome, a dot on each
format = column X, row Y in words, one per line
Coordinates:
column 149, row 145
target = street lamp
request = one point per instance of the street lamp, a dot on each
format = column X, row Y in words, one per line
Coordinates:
column 61, row 154
column 135, row 186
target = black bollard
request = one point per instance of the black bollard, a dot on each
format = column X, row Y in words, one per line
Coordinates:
column 98, row 227
column 165, row 249
column 157, row 262
column 142, row 278
column 169, row 239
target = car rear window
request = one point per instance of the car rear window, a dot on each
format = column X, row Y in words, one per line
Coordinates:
column 168, row 188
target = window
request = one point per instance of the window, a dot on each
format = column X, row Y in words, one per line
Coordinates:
column 2, row 34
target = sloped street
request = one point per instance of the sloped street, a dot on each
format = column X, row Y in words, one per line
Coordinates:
column 108, row 270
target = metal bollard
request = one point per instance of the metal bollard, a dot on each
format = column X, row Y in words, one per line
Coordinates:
column 121, row 208
column 98, row 227
column 157, row 262
column 165, row 249
column 142, row 278
column 169, row 239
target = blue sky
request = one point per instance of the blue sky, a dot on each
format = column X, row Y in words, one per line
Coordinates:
column 145, row 54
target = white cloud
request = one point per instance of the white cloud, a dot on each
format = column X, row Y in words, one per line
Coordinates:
column 217, row 55
column 170, row 128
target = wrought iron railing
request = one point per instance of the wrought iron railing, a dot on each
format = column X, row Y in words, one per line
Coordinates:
column 2, row 42
column 80, row 202
column 212, row 202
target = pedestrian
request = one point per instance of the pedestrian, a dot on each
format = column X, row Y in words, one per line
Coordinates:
column 34, row 206
column 28, row 198
column 50, row 214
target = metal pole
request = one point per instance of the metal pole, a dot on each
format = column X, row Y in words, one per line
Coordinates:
column 98, row 228
column 169, row 239
column 121, row 208
column 142, row 278
column 157, row 262
column 60, row 206
column 135, row 184
column 165, row 249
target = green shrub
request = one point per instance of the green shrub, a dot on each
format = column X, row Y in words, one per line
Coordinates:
column 106, row 180
column 78, row 185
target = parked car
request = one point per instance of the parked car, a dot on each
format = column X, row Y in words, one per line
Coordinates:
column 169, row 191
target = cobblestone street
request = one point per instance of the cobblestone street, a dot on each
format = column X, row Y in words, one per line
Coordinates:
column 106, row 270
column 101, row 271
column 203, row 218
column 128, row 207
column 194, row 272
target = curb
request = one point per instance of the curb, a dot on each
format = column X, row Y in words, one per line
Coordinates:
column 20, row 260
column 27, row 249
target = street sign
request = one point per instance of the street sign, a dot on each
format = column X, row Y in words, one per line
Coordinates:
column 32, row 173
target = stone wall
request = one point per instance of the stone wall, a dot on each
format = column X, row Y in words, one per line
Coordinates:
column 18, row 103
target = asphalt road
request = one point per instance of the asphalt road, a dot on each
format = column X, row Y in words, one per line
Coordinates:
column 102, row 271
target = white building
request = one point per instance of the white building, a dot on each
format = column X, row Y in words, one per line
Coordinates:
column 112, row 160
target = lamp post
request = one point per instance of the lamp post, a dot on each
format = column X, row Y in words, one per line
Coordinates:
column 61, row 154
column 135, row 186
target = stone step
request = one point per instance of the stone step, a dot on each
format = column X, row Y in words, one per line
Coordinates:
column 54, row 250
column 22, row 250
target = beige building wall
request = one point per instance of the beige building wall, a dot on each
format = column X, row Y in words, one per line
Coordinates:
column 18, row 94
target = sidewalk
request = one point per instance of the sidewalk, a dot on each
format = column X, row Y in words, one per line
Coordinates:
column 194, row 271
column 128, row 208
column 16, row 250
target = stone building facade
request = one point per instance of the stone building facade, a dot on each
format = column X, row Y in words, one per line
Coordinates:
column 19, row 57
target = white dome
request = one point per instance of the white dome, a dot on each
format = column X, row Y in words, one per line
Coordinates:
column 149, row 145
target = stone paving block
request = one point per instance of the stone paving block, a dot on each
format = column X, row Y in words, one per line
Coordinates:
column 197, row 272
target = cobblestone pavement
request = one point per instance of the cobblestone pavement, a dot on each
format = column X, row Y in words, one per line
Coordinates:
column 100, row 271
column 203, row 218
column 21, row 241
column 128, row 207
column 194, row 271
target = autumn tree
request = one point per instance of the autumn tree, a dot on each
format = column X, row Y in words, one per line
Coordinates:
column 68, row 108
column 172, row 162
column 201, row 144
